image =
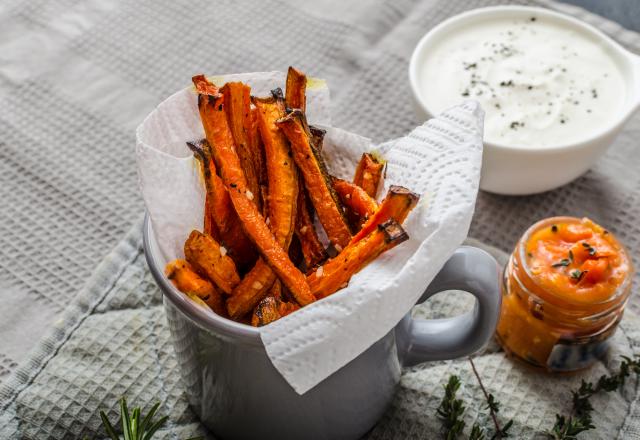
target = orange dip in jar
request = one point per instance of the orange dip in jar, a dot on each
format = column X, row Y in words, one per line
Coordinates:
column 564, row 291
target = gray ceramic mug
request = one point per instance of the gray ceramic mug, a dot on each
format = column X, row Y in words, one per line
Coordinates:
column 237, row 392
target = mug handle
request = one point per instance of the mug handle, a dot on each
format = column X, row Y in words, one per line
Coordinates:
column 469, row 269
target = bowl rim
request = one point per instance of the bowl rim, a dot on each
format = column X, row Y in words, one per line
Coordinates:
column 632, row 59
column 204, row 318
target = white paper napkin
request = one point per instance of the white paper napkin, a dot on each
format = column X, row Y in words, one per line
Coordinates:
column 439, row 160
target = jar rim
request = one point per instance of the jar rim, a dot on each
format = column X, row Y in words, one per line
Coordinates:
column 622, row 289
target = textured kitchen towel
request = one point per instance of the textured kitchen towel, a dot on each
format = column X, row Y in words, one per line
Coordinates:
column 76, row 78
column 113, row 341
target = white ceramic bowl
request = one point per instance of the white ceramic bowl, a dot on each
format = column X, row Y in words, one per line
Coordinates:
column 517, row 170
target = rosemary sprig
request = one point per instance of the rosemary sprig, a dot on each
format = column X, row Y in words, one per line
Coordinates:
column 580, row 420
column 134, row 426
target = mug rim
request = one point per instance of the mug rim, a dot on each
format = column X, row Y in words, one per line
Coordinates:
column 205, row 319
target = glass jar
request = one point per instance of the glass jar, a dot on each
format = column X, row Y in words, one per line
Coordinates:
column 556, row 329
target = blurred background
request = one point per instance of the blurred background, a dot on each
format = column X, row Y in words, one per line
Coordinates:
column 625, row 12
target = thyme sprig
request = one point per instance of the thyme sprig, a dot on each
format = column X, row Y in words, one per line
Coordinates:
column 567, row 427
column 451, row 411
column 494, row 407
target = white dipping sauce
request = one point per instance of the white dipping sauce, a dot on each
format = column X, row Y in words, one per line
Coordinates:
column 539, row 82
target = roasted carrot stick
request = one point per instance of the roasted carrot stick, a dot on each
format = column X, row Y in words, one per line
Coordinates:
column 218, row 133
column 238, row 107
column 360, row 206
column 209, row 258
column 189, row 282
column 295, row 94
column 281, row 202
column 335, row 273
column 281, row 171
column 223, row 220
column 257, row 149
column 253, row 287
column 397, row 204
column 313, row 251
column 369, row 173
column 317, row 179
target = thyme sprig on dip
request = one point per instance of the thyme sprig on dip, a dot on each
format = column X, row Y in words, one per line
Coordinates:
column 575, row 274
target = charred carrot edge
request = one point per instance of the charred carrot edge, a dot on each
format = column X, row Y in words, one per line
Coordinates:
column 210, row 227
column 296, row 87
column 368, row 174
column 272, row 307
column 221, row 213
column 336, row 273
column 237, row 98
column 266, row 311
column 317, row 137
column 396, row 205
column 359, row 204
column 313, row 251
column 219, row 135
column 207, row 258
column 317, row 179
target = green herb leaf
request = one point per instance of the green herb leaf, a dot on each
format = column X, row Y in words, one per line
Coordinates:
column 577, row 274
column 562, row 263
column 493, row 404
column 592, row 250
column 132, row 427
column 477, row 433
column 108, row 427
column 451, row 410
column 126, row 420
column 568, row 427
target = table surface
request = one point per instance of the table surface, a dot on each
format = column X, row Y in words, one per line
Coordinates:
column 77, row 78
column 624, row 12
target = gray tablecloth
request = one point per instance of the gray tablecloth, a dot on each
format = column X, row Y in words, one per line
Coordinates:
column 75, row 80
